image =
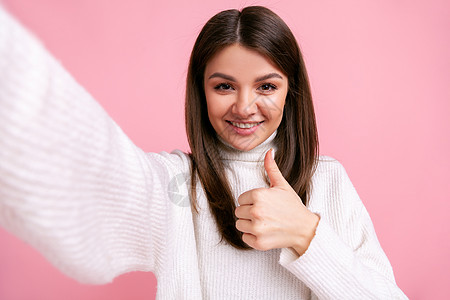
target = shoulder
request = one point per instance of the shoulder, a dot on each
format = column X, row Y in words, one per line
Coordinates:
column 329, row 166
column 330, row 171
column 332, row 187
column 326, row 164
column 176, row 161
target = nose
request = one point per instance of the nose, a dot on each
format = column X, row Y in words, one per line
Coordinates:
column 245, row 105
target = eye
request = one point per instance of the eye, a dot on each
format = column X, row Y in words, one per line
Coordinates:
column 223, row 87
column 267, row 87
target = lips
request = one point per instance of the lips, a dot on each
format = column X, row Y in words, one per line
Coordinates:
column 244, row 124
column 252, row 121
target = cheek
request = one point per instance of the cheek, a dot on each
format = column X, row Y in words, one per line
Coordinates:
column 215, row 107
column 280, row 105
column 273, row 108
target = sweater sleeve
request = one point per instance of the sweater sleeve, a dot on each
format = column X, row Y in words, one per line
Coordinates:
column 71, row 182
column 345, row 259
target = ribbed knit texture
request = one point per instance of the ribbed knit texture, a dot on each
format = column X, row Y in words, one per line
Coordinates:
column 78, row 190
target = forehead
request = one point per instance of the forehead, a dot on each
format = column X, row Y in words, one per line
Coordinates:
column 239, row 61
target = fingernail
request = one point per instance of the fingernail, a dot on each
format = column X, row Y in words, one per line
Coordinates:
column 273, row 154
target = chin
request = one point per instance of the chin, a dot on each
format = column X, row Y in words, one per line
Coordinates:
column 246, row 146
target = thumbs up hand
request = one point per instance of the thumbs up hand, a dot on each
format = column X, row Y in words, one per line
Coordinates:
column 275, row 217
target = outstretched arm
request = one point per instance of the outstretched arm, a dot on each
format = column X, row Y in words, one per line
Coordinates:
column 71, row 182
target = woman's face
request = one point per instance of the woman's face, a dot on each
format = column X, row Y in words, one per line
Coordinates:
column 245, row 95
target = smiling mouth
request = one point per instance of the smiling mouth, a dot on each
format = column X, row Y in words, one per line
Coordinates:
column 244, row 125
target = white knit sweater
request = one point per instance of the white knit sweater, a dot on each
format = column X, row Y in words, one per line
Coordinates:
column 77, row 189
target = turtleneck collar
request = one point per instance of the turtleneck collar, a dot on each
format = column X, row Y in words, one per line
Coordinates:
column 256, row 154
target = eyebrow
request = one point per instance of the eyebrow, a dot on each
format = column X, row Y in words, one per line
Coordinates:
column 231, row 78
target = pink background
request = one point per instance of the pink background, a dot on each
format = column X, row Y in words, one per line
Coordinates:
column 380, row 78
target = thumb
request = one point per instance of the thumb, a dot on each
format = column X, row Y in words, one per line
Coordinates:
column 275, row 176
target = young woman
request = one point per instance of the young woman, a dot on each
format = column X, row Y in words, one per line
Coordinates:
column 254, row 227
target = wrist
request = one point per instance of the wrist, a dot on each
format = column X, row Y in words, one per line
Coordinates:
column 309, row 231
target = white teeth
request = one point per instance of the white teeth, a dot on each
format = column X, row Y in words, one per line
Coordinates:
column 245, row 125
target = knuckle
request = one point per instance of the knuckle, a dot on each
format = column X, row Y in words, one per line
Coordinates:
column 256, row 212
column 257, row 194
column 258, row 229
column 260, row 244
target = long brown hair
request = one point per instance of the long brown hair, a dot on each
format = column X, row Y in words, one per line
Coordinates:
column 259, row 29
